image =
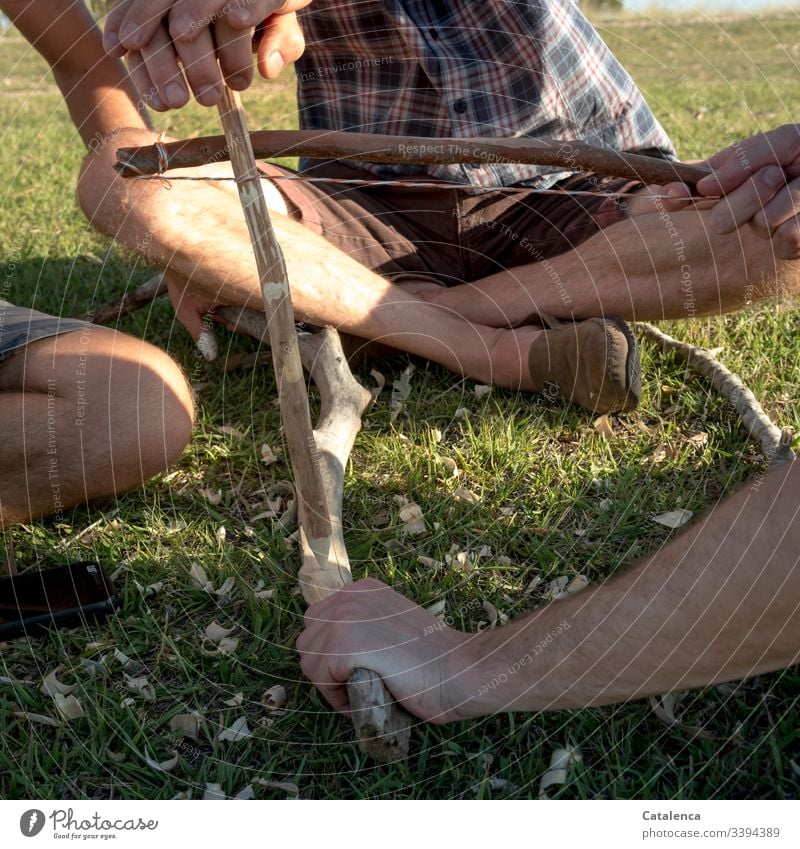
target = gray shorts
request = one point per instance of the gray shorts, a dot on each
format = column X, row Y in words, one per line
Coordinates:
column 19, row 326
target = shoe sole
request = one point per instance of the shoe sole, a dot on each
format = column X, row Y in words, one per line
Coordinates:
column 633, row 371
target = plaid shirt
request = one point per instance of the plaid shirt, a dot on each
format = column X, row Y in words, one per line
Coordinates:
column 461, row 68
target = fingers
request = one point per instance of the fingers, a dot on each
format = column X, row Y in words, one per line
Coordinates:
column 111, row 42
column 741, row 204
column 189, row 18
column 734, row 165
column 141, row 79
column 190, row 312
column 201, row 68
column 779, row 220
column 234, row 54
column 162, row 67
column 281, row 44
column 139, row 23
column 679, row 195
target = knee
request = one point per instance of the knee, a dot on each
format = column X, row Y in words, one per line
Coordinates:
column 164, row 391
column 150, row 406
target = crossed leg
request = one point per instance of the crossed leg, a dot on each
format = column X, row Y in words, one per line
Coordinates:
column 83, row 415
column 654, row 265
column 196, row 231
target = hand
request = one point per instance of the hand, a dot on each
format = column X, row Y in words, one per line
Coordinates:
column 190, row 311
column 759, row 181
column 421, row 660
column 157, row 34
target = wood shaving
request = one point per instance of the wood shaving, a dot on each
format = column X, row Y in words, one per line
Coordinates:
column 52, row 687
column 235, row 732
column 412, row 518
column 68, row 706
column 437, row 608
column 664, row 452
column 231, row 431
column 401, row 389
column 268, row 455
column 198, row 576
column 462, row 413
column 674, row 518
column 235, row 701
column 429, row 562
column 38, row 718
column 482, row 390
column 560, row 762
column 459, row 560
column 142, row 686
column 467, row 495
column 450, row 464
column 212, row 496
column 380, row 382
column 214, row 793
column 215, row 632
column 664, row 708
column 161, row 766
column 246, row 793
column 286, row 786
column 602, row 424
column 274, row 698
column 185, row 725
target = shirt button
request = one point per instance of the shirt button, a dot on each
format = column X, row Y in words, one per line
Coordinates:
column 460, row 106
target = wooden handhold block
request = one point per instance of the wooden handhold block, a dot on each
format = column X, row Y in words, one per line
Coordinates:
column 382, row 727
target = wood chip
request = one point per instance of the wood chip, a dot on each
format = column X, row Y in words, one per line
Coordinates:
column 482, row 390
column 68, row 706
column 214, row 793
column 462, row 494
column 215, row 632
column 674, row 518
column 560, row 762
column 664, row 708
column 142, row 686
column 450, row 464
column 274, row 698
column 161, row 766
column 602, row 424
column 437, row 608
column 401, row 389
column 52, row 687
column 412, row 518
column 235, row 701
column 212, row 496
column 185, row 725
column 268, row 455
column 38, row 718
column 231, row 431
column 286, row 786
column 238, row 730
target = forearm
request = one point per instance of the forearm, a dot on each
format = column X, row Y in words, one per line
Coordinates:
column 720, row 602
column 96, row 88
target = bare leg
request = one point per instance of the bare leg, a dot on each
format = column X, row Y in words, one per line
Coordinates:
column 197, row 231
column 653, row 266
column 84, row 415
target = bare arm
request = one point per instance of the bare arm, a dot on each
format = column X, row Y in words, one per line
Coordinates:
column 719, row 602
column 98, row 94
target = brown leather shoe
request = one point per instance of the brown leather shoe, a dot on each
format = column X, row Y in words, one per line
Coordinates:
column 594, row 363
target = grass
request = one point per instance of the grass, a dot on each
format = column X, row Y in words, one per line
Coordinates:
column 555, row 500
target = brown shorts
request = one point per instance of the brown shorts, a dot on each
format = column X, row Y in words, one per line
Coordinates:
column 453, row 235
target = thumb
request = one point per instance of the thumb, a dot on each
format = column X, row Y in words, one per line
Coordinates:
column 281, row 44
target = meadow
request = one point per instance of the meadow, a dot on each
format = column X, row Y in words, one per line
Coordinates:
column 555, row 499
